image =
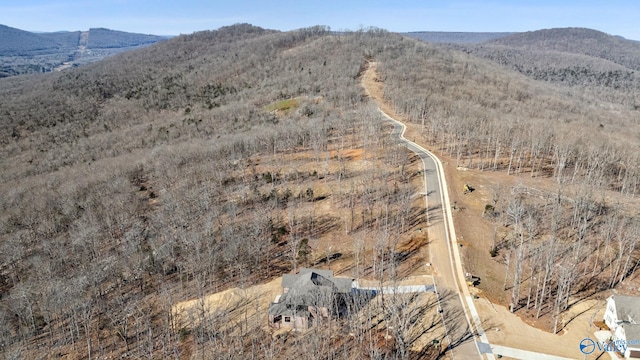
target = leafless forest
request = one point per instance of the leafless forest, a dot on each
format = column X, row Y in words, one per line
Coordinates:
column 562, row 242
column 210, row 160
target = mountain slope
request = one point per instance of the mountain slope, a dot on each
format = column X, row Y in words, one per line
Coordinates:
column 455, row 37
column 175, row 169
column 16, row 42
column 575, row 57
column 225, row 158
column 577, row 41
column 24, row 52
column 66, row 38
column 100, row 38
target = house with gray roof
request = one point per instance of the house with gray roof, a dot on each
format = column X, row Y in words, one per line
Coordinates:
column 307, row 297
column 622, row 316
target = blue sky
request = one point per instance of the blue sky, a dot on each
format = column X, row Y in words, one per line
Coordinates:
column 173, row 17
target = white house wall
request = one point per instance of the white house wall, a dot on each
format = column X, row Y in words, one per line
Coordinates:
column 610, row 315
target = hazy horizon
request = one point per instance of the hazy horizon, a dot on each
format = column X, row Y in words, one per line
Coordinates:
column 169, row 18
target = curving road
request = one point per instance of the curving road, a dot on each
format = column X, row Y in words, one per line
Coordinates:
column 458, row 311
column 466, row 337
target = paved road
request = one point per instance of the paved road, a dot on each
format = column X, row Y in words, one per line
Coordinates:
column 460, row 335
column 459, row 309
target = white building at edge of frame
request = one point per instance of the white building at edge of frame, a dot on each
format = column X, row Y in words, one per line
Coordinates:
column 622, row 316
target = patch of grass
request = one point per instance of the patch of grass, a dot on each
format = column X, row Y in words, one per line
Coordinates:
column 283, row 105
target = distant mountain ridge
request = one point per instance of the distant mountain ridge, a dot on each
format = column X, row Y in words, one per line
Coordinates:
column 581, row 41
column 27, row 52
column 21, row 42
column 100, row 38
column 570, row 56
column 456, row 37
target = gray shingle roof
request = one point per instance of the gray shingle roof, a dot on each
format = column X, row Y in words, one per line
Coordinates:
column 627, row 308
column 632, row 334
column 343, row 285
column 310, row 287
column 289, row 279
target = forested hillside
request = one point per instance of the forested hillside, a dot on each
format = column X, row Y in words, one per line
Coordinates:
column 23, row 52
column 456, row 37
column 100, row 38
column 590, row 61
column 68, row 38
column 16, row 42
column 227, row 158
column 577, row 41
column 564, row 239
column 218, row 159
